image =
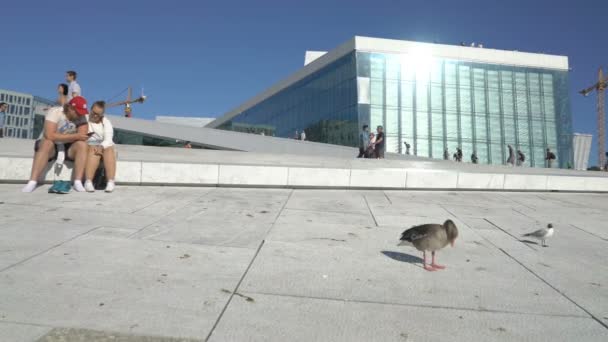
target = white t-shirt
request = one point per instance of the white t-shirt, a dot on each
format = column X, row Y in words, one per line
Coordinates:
column 74, row 87
column 103, row 133
column 64, row 126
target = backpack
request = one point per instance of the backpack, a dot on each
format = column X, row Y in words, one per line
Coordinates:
column 551, row 155
column 99, row 180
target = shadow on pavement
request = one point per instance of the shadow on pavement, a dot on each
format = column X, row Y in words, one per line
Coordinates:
column 403, row 257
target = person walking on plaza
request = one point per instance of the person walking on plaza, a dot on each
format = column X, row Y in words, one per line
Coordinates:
column 63, row 125
column 380, row 143
column 458, row 154
column 370, row 152
column 407, row 147
column 446, row 154
column 511, row 159
column 474, row 158
column 3, row 109
column 550, row 157
column 363, row 141
column 73, row 86
column 303, row 136
column 521, row 158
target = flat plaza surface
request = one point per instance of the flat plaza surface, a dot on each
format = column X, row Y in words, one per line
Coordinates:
column 229, row 264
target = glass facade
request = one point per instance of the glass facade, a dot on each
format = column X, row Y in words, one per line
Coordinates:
column 430, row 103
column 434, row 104
column 323, row 104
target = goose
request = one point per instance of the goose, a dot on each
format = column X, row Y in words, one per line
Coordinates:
column 430, row 237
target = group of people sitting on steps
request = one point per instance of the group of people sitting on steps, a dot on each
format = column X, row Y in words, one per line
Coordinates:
column 73, row 133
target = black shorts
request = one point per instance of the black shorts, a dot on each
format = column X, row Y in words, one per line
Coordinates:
column 65, row 145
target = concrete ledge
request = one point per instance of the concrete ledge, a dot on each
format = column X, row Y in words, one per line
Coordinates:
column 429, row 179
column 378, row 178
column 314, row 177
column 172, row 173
column 16, row 169
column 252, row 175
column 488, row 181
column 525, row 182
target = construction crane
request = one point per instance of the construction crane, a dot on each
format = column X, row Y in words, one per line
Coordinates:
column 127, row 103
column 600, row 87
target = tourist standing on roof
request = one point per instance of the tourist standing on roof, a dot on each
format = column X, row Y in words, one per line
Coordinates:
column 73, row 86
column 3, row 108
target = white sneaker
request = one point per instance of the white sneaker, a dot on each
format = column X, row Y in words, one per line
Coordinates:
column 110, row 186
column 88, row 186
column 78, row 186
column 30, row 186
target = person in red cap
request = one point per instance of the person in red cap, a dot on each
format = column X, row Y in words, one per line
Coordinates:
column 65, row 128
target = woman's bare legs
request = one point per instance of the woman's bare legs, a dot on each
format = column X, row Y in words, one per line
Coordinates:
column 92, row 163
column 109, row 162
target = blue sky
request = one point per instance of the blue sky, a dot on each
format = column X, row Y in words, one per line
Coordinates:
column 203, row 58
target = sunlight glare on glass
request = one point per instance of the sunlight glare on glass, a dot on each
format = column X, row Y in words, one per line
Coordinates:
column 418, row 63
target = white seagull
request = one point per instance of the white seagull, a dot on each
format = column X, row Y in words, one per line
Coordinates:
column 542, row 234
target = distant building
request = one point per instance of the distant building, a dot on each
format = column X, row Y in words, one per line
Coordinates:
column 22, row 110
column 433, row 96
column 581, row 145
column 184, row 121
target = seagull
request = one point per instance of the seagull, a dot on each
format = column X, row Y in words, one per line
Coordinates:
column 430, row 237
column 542, row 234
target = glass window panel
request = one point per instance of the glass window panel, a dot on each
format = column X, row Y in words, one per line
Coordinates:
column 436, row 98
column 392, row 93
column 480, row 101
column 392, row 143
column 521, row 104
column 392, row 67
column 478, row 78
column 437, row 151
column 548, row 84
column 506, row 80
column 466, row 127
column 377, row 92
column 437, row 125
column 537, row 133
column 520, row 81
column 539, row 156
column 407, row 124
column 464, row 76
column 465, row 100
column 407, row 95
column 422, row 124
column 507, row 103
column 551, row 133
column 535, row 106
column 482, row 152
column 422, row 147
column 494, row 102
column 493, row 79
column 467, row 149
column 376, row 117
column 421, row 97
column 451, row 100
column 407, row 70
column 481, row 130
column 392, row 121
column 497, row 157
column 436, row 71
column 509, row 131
column 534, row 82
column 549, row 105
column 451, row 122
column 377, row 66
column 450, row 74
column 495, row 131
column 523, row 132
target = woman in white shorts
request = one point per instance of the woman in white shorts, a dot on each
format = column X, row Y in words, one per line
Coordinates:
column 101, row 146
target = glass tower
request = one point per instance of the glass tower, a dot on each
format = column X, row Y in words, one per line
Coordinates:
column 429, row 102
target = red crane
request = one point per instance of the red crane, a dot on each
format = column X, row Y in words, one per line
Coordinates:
column 600, row 87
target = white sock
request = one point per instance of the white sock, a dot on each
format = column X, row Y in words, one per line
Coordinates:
column 78, row 186
column 30, row 186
